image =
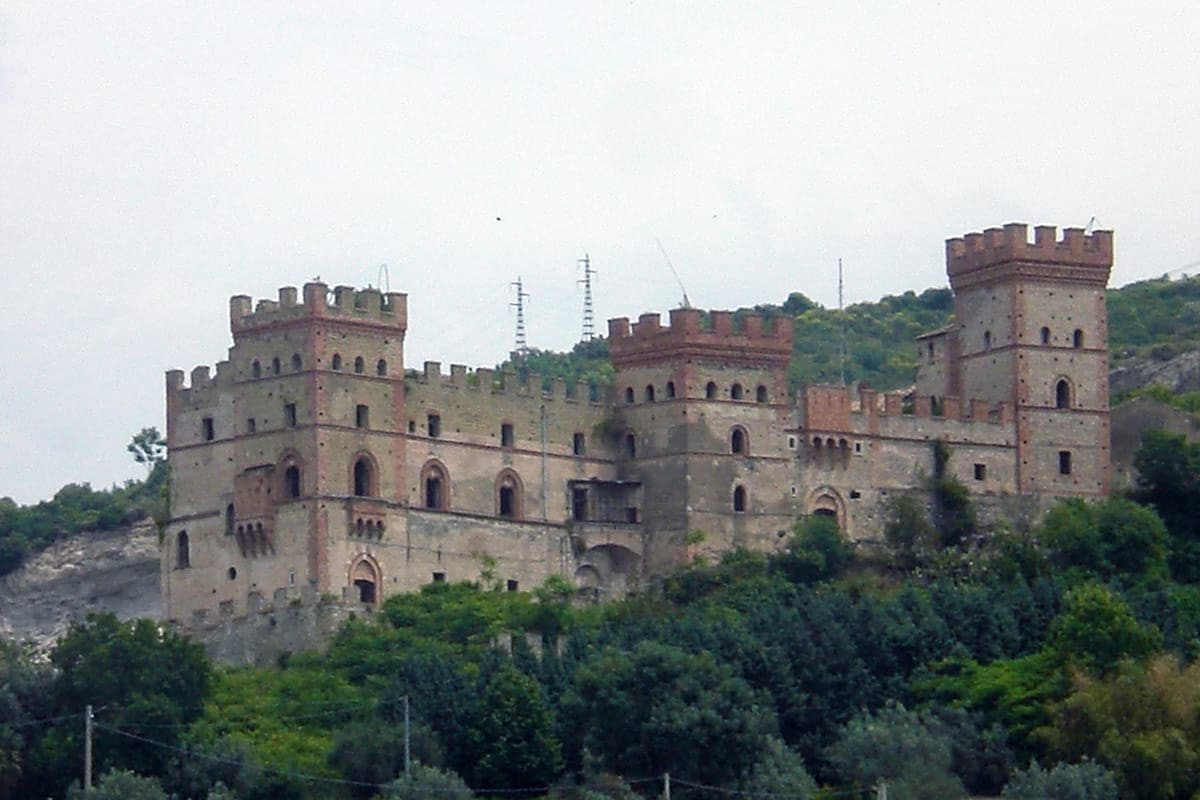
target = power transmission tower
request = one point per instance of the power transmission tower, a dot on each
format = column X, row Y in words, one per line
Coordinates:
column 522, row 346
column 842, row 319
column 589, row 321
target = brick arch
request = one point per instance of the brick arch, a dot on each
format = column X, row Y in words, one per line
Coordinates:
column 826, row 501
column 365, row 574
column 364, row 474
column 510, row 495
column 289, row 476
column 434, row 469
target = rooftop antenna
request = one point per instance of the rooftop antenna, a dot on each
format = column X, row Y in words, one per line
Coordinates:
column 522, row 346
column 589, row 321
column 842, row 319
column 686, row 303
column 385, row 279
column 1091, row 226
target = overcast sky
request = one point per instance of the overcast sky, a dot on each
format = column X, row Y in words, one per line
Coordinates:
column 156, row 158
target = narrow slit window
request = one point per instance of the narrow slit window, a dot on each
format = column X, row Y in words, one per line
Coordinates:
column 362, row 416
column 506, row 434
column 208, row 429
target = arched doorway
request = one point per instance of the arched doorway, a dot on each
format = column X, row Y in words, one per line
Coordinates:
column 826, row 502
column 365, row 577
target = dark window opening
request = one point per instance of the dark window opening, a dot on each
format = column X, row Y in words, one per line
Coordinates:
column 433, row 425
column 825, row 512
column 649, row 394
column 1062, row 394
column 579, row 504
column 256, row 369
column 735, row 391
column 670, row 388
column 433, row 491
column 232, row 573
column 855, row 494
column 508, row 506
column 362, row 416
column 291, row 480
column 289, row 415
column 737, row 441
column 251, row 425
column 297, row 363
column 229, row 515
column 358, row 365
column 511, row 585
column 1064, row 462
column 987, row 340
column 1077, row 339
column 632, row 515
column 337, row 362
column 366, row 590
column 439, row 577
column 739, row 498
column 628, row 395
column 710, row 390
column 506, row 434
column 930, row 352
column 631, row 445
column 980, row 471
column 381, row 368
column 1045, row 336
column 578, row 444
column 209, row 431
column 412, row 426
column 760, row 394
column 275, row 369
column 183, row 553
column 363, row 478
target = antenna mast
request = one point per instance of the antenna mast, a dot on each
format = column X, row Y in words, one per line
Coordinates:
column 686, row 302
column 842, row 319
column 522, row 346
column 589, row 322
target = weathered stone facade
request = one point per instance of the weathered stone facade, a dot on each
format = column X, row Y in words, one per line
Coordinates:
column 312, row 463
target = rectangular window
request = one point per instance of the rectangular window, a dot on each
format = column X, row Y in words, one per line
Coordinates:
column 512, row 585
column 980, row 471
column 412, row 426
column 506, row 435
column 1064, row 462
column 578, row 444
column 362, row 416
column 579, row 504
column 289, row 415
column 631, row 514
column 439, row 577
column 251, row 425
column 791, row 443
column 433, row 424
column 209, row 432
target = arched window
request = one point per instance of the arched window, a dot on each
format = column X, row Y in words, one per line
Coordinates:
column 760, row 394
column 628, row 395
column 364, row 477
column 735, row 391
column 381, row 368
column 987, row 340
column 710, row 390
column 435, row 486
column 509, row 495
column 183, row 551
column 649, row 393
column 297, row 362
column 365, row 577
column 1077, row 339
column 670, row 388
column 739, row 498
column 1062, row 394
column 229, row 515
column 358, row 365
column 275, row 366
column 337, row 362
column 256, row 369
column 1045, row 336
column 291, row 481
column 631, row 445
column 738, row 441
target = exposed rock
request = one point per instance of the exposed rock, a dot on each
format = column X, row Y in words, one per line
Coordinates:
column 115, row 571
column 1179, row 374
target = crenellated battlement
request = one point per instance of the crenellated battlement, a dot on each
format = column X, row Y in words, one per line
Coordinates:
column 202, row 387
column 839, row 409
column 756, row 341
column 343, row 303
column 1090, row 256
column 507, row 383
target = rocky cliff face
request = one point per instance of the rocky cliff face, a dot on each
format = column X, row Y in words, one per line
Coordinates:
column 1179, row 374
column 114, row 571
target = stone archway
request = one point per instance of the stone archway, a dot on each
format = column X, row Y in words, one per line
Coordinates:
column 367, row 579
column 825, row 501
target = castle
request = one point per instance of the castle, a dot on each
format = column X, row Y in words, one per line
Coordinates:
column 312, row 463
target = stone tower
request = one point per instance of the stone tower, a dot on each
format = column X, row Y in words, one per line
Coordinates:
column 701, row 408
column 1032, row 330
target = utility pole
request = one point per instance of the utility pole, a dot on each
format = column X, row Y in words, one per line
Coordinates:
column 881, row 792
column 406, row 753
column 87, row 751
column 842, row 320
column 522, row 296
column 589, row 322
column 666, row 786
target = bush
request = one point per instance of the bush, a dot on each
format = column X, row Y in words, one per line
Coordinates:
column 1087, row 781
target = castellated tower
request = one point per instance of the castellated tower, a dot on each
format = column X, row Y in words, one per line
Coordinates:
column 1031, row 330
column 701, row 409
column 285, row 470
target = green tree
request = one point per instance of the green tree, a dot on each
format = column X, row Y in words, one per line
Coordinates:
column 422, row 783
column 779, row 772
column 148, row 448
column 1116, row 537
column 1168, row 478
column 119, row 784
column 816, row 551
column 1086, row 781
column 908, row 531
column 1097, row 629
column 511, row 737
